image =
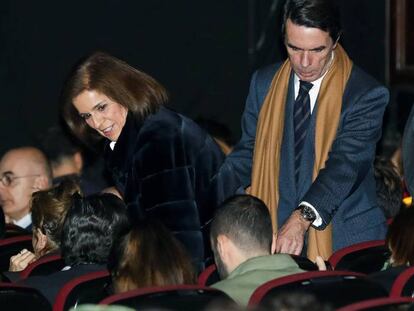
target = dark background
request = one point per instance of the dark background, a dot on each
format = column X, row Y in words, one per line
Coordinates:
column 202, row 51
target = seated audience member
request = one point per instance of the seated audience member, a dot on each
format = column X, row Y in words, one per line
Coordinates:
column 68, row 162
column 298, row 301
column 23, row 171
column 91, row 226
column 401, row 244
column 389, row 187
column 49, row 209
column 149, row 255
column 243, row 243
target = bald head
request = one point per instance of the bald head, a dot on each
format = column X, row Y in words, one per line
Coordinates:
column 23, row 171
column 32, row 159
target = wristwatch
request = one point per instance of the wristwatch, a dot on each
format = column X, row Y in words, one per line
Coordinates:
column 307, row 213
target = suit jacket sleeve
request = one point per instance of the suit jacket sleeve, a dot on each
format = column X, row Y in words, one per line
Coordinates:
column 352, row 153
column 242, row 156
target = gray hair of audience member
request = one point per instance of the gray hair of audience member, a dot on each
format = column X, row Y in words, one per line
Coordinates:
column 246, row 221
column 321, row 14
column 91, row 226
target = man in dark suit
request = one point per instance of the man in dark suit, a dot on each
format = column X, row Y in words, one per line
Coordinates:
column 310, row 127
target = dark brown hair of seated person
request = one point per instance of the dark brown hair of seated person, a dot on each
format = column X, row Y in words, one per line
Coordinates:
column 400, row 237
column 149, row 255
column 49, row 208
column 141, row 94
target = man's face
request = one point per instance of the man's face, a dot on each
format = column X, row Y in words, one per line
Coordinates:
column 15, row 198
column 309, row 49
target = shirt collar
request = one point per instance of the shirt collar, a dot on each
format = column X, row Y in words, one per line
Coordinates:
column 112, row 145
column 314, row 91
column 24, row 222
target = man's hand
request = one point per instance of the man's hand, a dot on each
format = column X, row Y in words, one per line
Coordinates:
column 320, row 263
column 291, row 235
column 20, row 261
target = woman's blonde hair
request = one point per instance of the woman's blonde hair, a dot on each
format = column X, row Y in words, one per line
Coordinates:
column 49, row 208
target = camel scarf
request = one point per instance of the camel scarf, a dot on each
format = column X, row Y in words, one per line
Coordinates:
column 266, row 158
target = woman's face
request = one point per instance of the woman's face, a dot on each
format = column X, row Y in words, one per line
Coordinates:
column 101, row 113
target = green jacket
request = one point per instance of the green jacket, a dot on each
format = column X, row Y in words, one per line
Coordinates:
column 242, row 282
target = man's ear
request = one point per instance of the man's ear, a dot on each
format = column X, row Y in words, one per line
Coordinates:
column 222, row 246
column 41, row 240
column 273, row 246
column 41, row 182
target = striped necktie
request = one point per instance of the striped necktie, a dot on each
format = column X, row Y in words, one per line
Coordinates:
column 301, row 118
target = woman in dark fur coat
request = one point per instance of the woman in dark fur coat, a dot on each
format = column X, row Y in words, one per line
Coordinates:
column 162, row 163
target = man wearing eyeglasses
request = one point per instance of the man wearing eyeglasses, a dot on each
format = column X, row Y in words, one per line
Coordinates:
column 22, row 171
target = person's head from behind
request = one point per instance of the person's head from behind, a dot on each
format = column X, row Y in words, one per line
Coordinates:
column 311, row 30
column 62, row 151
column 400, row 238
column 22, row 171
column 91, row 226
column 149, row 255
column 389, row 187
column 298, row 301
column 102, row 90
column 49, row 208
column 241, row 229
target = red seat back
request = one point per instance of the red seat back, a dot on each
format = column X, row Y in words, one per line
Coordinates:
column 365, row 257
column 378, row 304
column 88, row 288
column 403, row 284
column 11, row 246
column 179, row 297
column 17, row 298
column 208, row 276
column 43, row 266
column 338, row 288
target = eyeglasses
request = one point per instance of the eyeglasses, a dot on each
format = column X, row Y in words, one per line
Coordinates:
column 7, row 179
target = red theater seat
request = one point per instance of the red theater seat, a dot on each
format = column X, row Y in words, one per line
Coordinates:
column 338, row 288
column 365, row 257
column 403, row 285
column 88, row 288
column 174, row 298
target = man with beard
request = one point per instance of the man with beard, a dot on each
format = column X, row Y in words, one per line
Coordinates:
column 243, row 243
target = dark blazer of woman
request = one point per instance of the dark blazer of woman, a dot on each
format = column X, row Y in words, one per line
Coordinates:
column 170, row 152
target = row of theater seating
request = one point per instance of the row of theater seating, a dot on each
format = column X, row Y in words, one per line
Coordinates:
column 337, row 287
column 344, row 290
column 365, row 257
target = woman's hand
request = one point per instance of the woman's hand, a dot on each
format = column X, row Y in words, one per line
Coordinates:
column 20, row 261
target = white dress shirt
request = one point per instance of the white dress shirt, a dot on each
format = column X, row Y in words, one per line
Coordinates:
column 313, row 94
column 24, row 222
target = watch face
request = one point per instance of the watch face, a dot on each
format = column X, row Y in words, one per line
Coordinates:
column 308, row 213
